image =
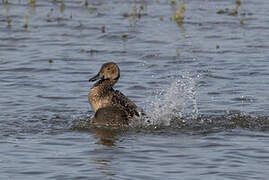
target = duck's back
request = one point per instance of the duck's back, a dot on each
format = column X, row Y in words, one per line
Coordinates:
column 100, row 98
column 120, row 99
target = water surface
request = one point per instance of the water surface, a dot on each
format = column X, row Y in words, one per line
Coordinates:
column 204, row 83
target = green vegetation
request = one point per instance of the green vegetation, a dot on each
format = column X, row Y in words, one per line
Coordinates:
column 86, row 3
column 124, row 36
column 220, row 11
column 136, row 12
column 62, row 6
column 91, row 51
column 103, row 29
column 234, row 11
column 92, row 9
column 48, row 19
column 26, row 17
column 9, row 20
column 177, row 52
column 179, row 14
column 238, row 3
column 50, row 61
column 31, row 2
column 172, row 2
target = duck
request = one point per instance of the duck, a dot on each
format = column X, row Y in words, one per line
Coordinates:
column 111, row 107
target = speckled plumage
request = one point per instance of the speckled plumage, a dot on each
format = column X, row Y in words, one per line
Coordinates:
column 110, row 116
column 102, row 95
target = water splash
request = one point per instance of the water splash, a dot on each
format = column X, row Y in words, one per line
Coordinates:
column 177, row 101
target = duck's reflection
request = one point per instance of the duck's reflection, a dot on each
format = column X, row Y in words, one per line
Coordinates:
column 106, row 136
column 107, row 151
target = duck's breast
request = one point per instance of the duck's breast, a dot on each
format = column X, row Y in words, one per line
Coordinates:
column 98, row 100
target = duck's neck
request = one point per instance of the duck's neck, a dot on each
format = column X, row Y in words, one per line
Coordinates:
column 105, row 84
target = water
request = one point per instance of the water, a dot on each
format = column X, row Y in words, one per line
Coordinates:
column 204, row 86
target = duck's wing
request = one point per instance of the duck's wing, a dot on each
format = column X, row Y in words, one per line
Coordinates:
column 120, row 99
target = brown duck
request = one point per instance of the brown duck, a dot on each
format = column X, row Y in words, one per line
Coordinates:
column 111, row 107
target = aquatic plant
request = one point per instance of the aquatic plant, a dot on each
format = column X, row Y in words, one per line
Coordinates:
column 232, row 12
column 103, row 29
column 133, row 15
column 91, row 51
column 177, row 52
column 62, row 6
column 238, row 3
column 140, row 11
column 172, row 2
column 31, row 2
column 220, row 11
column 48, row 18
column 136, row 12
column 124, row 36
column 91, row 9
column 49, row 15
column 9, row 20
column 26, row 17
column 86, row 3
column 178, row 15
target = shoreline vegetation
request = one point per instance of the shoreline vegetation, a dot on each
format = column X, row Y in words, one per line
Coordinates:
column 136, row 11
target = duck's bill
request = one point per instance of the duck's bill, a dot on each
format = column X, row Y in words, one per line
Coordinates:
column 94, row 78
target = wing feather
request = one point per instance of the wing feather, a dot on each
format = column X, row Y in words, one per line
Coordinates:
column 119, row 98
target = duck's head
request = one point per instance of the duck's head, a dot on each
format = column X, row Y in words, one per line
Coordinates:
column 108, row 71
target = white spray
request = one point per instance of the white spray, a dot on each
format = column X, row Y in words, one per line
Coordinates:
column 178, row 100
